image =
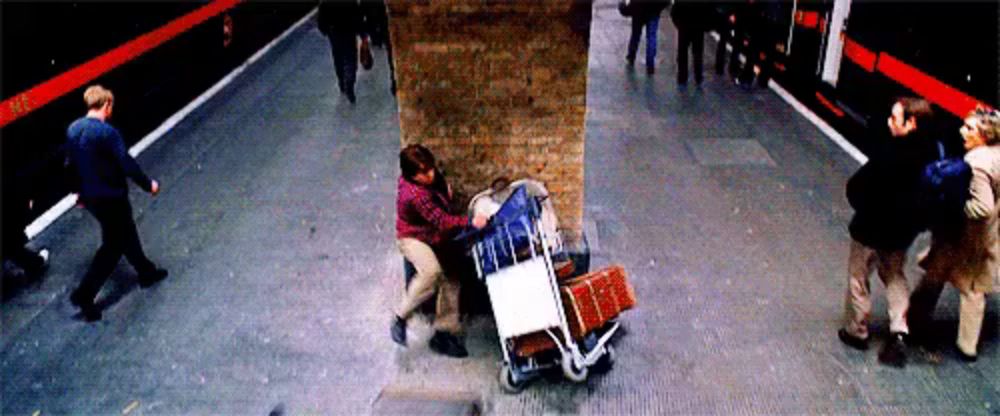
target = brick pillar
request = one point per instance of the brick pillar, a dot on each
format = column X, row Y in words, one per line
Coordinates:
column 497, row 88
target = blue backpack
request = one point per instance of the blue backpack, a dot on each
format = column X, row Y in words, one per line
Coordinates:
column 944, row 189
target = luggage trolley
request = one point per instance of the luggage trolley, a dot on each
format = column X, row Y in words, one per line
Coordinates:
column 513, row 255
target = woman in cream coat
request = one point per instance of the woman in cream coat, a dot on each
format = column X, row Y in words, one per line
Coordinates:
column 970, row 259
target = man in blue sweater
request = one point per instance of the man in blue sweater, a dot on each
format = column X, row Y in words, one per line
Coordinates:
column 97, row 155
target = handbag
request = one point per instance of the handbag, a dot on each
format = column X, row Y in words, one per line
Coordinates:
column 365, row 55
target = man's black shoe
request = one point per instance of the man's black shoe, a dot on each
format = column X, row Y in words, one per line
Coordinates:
column 965, row 357
column 90, row 313
column 852, row 341
column 448, row 344
column 893, row 352
column 650, row 70
column 150, row 279
column 398, row 330
column 351, row 97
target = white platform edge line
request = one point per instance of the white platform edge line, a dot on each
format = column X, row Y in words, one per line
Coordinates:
column 829, row 131
column 67, row 202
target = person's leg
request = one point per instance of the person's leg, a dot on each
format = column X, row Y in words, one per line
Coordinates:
column 633, row 41
column 131, row 245
column 107, row 255
column 698, row 44
column 429, row 272
column 392, row 66
column 923, row 301
column 972, row 309
column 897, row 290
column 652, row 29
column 897, row 293
column 720, row 48
column 857, row 302
column 338, row 65
column 683, row 42
column 350, row 66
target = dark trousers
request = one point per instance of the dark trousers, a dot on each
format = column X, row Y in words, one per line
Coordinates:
column 118, row 236
column 345, row 60
column 689, row 39
column 651, row 24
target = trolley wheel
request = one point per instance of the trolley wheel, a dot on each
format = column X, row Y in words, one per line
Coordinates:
column 606, row 362
column 510, row 380
column 571, row 371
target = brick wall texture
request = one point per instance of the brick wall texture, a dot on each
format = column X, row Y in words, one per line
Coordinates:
column 497, row 88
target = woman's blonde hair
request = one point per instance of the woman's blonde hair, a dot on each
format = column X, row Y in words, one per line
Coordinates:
column 96, row 96
column 987, row 124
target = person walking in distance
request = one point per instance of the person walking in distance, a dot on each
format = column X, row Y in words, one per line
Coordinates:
column 691, row 18
column 342, row 21
column 645, row 14
column 885, row 196
column 100, row 163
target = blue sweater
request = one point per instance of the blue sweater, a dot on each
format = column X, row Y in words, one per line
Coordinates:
column 97, row 155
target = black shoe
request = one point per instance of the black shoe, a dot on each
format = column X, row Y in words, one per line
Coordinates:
column 629, row 62
column 852, row 341
column 965, row 357
column 152, row 278
column 351, row 97
column 650, row 70
column 398, row 330
column 447, row 344
column 893, row 352
column 90, row 313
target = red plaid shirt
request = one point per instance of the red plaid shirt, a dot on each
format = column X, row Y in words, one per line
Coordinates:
column 422, row 214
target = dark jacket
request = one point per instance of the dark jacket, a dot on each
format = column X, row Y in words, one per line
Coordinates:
column 644, row 10
column 98, row 161
column 692, row 14
column 885, row 192
column 340, row 18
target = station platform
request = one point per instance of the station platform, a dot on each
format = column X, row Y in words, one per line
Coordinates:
column 276, row 222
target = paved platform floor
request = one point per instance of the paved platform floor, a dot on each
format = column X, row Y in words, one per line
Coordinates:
column 276, row 223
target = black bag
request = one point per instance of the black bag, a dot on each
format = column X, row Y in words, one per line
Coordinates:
column 944, row 189
column 625, row 7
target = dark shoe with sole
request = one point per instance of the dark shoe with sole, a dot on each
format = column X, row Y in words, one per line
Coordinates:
column 965, row 357
column 398, row 330
column 152, row 278
column 77, row 300
column 90, row 313
column 447, row 344
column 893, row 352
column 852, row 341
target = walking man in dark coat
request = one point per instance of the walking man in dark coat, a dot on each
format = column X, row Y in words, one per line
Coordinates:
column 692, row 18
column 885, row 196
column 101, row 163
column 645, row 14
column 342, row 21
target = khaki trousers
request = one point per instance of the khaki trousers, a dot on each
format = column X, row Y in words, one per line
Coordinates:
column 430, row 277
column 971, row 310
column 858, row 304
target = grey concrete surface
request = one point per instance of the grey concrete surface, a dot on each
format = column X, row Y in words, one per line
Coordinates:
column 276, row 223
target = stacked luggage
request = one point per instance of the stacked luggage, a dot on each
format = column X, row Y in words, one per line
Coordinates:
column 543, row 320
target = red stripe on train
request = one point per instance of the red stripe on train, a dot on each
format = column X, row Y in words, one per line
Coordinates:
column 34, row 98
column 944, row 95
column 859, row 54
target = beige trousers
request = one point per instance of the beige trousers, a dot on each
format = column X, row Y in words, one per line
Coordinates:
column 430, row 277
column 858, row 304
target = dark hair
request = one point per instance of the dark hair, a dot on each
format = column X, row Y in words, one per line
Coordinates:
column 918, row 108
column 414, row 159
